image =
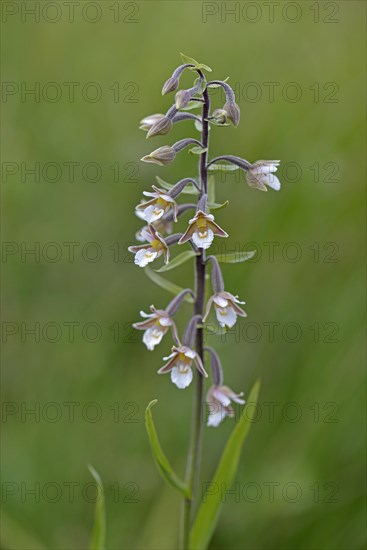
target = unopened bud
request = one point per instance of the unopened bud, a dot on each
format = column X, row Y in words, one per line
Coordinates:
column 162, row 156
column 220, row 115
column 149, row 121
column 160, row 128
column 170, row 85
column 182, row 98
column 233, row 112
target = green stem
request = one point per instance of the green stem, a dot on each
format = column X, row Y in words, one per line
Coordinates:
column 194, row 456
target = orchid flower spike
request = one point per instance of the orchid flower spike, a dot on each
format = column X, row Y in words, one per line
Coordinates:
column 179, row 365
column 261, row 175
column 219, row 401
column 155, row 247
column 202, row 229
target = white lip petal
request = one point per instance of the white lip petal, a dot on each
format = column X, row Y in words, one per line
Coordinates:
column 203, row 239
column 181, row 377
column 216, row 418
column 226, row 316
column 271, row 181
column 152, row 337
column 153, row 212
column 144, row 257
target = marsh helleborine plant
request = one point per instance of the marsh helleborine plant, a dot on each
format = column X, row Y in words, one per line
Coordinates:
column 186, row 360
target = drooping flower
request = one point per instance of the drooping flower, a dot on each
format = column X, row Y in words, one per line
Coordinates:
column 226, row 308
column 154, row 209
column 261, row 175
column 219, row 401
column 155, row 247
column 155, row 326
column 201, row 230
column 179, row 365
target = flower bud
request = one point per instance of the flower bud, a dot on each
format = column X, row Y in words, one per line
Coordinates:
column 170, row 85
column 147, row 122
column 162, row 156
column 233, row 112
column 220, row 115
column 160, row 128
column 182, row 98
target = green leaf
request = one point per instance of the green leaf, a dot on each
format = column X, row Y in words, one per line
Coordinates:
column 218, row 85
column 166, row 285
column 235, row 257
column 189, row 189
column 224, row 476
column 98, row 541
column 216, row 206
column 160, row 458
column 194, row 104
column 192, row 61
column 202, row 85
column 214, row 122
column 211, row 189
column 198, row 150
column 223, row 167
column 198, row 125
column 217, row 330
column 178, row 260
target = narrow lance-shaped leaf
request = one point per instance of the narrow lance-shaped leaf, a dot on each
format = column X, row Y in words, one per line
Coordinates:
column 235, row 257
column 178, row 260
column 192, row 105
column 160, row 459
column 223, row 167
column 189, row 189
column 98, row 541
column 192, row 61
column 217, row 206
column 166, row 285
column 198, row 150
column 209, row 510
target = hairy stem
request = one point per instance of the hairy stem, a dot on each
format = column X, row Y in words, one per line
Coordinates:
column 194, row 456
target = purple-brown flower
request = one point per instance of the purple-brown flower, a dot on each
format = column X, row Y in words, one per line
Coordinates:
column 155, row 247
column 219, row 401
column 179, row 365
column 154, row 209
column 201, row 230
column 226, row 308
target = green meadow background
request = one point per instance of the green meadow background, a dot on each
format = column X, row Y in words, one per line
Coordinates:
column 84, row 372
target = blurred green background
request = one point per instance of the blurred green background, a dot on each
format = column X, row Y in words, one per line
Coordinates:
column 89, row 396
